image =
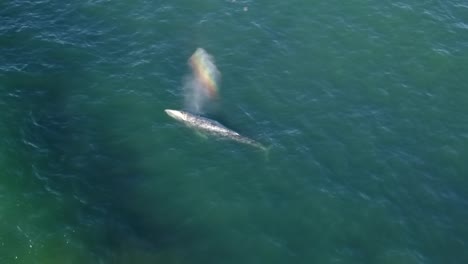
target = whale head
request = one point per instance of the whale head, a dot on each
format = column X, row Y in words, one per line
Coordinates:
column 178, row 115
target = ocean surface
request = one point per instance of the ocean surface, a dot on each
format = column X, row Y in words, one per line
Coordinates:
column 363, row 105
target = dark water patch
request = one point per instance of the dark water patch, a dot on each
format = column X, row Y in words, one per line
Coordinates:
column 69, row 171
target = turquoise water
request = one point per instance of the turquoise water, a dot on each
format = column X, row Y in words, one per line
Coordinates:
column 363, row 105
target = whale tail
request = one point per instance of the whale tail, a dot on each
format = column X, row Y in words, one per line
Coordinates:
column 266, row 151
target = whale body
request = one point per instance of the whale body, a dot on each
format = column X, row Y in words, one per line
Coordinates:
column 210, row 126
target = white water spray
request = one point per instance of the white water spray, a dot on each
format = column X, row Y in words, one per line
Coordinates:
column 201, row 86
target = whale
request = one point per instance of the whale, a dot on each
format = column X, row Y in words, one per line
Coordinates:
column 210, row 126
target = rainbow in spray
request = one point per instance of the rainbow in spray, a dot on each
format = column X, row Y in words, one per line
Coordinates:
column 205, row 71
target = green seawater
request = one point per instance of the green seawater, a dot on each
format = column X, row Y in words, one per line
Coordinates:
column 363, row 104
